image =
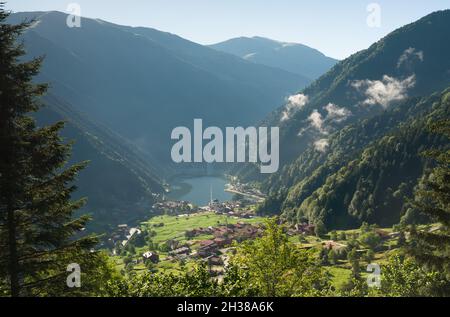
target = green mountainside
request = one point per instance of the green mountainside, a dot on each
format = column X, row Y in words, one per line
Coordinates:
column 351, row 154
column 375, row 184
column 409, row 62
column 119, row 184
column 142, row 83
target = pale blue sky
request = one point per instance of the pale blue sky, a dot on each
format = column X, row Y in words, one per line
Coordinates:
column 337, row 28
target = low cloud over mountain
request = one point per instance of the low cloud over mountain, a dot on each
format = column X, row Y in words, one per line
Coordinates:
column 385, row 91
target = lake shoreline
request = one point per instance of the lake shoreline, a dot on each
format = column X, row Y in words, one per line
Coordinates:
column 197, row 189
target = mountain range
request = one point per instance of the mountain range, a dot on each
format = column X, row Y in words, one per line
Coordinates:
column 351, row 149
column 350, row 141
column 142, row 83
column 123, row 89
column 411, row 61
column 292, row 57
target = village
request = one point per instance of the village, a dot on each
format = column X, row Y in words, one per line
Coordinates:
column 124, row 232
column 182, row 233
column 120, row 237
column 212, row 234
column 212, row 244
column 249, row 192
column 214, row 250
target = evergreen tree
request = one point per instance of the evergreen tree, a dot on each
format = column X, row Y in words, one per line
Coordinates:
column 401, row 239
column 332, row 257
column 353, row 259
column 323, row 256
column 36, row 224
column 432, row 248
column 370, row 255
column 319, row 228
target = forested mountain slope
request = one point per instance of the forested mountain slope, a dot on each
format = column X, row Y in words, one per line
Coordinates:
column 368, row 172
column 142, row 83
column 118, row 182
column 411, row 61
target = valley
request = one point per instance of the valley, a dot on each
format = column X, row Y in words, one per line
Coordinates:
column 198, row 223
column 174, row 244
column 160, row 167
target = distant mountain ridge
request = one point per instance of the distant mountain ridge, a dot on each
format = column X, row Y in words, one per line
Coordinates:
column 296, row 58
column 142, row 83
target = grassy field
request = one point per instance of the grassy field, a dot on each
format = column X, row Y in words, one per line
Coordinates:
column 174, row 227
column 339, row 275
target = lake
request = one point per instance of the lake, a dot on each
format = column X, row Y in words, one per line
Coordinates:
column 197, row 189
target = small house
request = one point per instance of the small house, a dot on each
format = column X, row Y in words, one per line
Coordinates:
column 150, row 256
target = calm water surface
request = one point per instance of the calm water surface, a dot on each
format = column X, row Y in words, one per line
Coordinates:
column 197, row 189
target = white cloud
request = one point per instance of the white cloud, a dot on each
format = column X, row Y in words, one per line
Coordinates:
column 337, row 113
column 288, row 44
column 321, row 145
column 249, row 56
column 302, row 131
column 298, row 100
column 294, row 103
column 384, row 92
column 316, row 121
column 285, row 116
column 323, row 124
column 409, row 55
column 34, row 24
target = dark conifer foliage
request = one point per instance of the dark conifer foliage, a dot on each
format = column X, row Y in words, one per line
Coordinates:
column 432, row 248
column 37, row 228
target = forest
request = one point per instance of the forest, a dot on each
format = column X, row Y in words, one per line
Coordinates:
column 376, row 195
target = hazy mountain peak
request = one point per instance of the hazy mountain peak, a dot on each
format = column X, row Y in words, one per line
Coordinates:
column 292, row 57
